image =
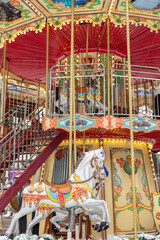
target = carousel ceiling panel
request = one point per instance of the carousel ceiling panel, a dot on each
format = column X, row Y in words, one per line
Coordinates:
column 145, row 12
column 16, row 17
column 19, row 16
column 63, row 7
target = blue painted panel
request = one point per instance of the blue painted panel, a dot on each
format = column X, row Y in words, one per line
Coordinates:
column 146, row 4
column 82, row 122
column 141, row 124
column 67, row 3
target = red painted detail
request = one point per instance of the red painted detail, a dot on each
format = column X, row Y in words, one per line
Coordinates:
column 7, row 196
column 158, row 215
column 61, row 199
column 29, row 198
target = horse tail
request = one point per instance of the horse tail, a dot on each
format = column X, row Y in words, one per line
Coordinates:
column 106, row 171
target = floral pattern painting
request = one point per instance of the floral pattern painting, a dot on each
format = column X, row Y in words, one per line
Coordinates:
column 123, row 192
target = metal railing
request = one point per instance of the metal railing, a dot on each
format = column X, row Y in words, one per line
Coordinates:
column 21, row 145
column 89, row 90
column 21, row 98
column 145, row 90
column 16, row 90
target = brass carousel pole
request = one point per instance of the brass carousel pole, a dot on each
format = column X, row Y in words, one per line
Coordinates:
column 73, row 84
column 47, row 60
column 87, row 37
column 108, row 66
column 2, row 114
column 72, row 91
column 4, row 72
column 72, row 118
column 7, row 68
column 131, row 123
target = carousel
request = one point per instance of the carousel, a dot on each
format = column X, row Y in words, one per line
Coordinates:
column 79, row 112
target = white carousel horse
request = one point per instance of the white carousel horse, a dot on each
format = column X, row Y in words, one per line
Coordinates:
column 62, row 214
column 80, row 191
column 91, row 103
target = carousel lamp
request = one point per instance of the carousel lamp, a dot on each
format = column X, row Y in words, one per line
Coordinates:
column 77, row 59
column 108, row 140
column 151, row 161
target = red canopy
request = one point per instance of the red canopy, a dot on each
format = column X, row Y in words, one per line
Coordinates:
column 28, row 53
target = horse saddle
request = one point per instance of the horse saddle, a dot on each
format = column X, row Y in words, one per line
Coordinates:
column 62, row 188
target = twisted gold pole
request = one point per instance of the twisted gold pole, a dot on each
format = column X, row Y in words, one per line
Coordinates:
column 4, row 72
column 73, row 97
column 108, row 66
column 87, row 37
column 47, row 60
column 71, row 86
column 131, row 123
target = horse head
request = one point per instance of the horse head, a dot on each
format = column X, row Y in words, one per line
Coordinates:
column 91, row 165
column 98, row 166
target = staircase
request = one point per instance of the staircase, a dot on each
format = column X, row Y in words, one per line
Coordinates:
column 24, row 147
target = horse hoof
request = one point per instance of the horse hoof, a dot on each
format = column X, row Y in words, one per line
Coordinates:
column 99, row 229
column 56, row 230
column 11, row 236
column 96, row 227
column 105, row 227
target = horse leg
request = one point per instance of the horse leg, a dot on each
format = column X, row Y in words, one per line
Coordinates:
column 38, row 217
column 101, row 208
column 60, row 216
column 94, row 217
column 16, row 231
column 23, row 211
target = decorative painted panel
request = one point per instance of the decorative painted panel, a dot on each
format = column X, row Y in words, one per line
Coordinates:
column 147, row 5
column 156, row 209
column 9, row 12
column 17, row 14
column 84, row 122
column 123, row 195
column 64, row 5
column 141, row 12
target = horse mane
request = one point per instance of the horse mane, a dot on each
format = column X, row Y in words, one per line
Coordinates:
column 90, row 153
column 79, row 160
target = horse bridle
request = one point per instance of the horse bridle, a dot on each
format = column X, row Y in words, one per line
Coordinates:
column 97, row 171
